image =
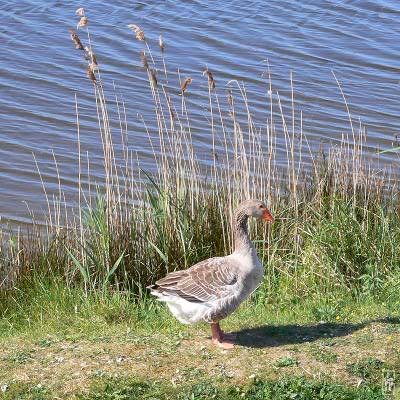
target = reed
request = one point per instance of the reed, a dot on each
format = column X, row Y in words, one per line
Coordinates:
column 337, row 223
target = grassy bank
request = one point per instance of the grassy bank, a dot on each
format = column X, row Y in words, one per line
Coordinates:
column 62, row 344
column 75, row 317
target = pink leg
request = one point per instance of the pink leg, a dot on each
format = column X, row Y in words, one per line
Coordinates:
column 221, row 339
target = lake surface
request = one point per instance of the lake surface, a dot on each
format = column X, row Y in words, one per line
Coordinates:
column 40, row 73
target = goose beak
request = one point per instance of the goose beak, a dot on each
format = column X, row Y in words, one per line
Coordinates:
column 267, row 216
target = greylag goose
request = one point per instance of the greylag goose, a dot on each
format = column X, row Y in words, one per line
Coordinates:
column 212, row 289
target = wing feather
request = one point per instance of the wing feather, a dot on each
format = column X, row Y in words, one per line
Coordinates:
column 206, row 281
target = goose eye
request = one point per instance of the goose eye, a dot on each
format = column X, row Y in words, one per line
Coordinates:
column 260, row 206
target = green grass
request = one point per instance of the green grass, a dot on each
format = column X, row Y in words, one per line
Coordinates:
column 366, row 368
column 323, row 354
column 106, row 345
column 49, row 305
column 286, row 362
column 285, row 388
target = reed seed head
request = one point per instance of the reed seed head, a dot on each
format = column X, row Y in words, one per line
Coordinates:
column 80, row 12
column 161, row 43
column 140, row 36
column 170, row 108
column 143, row 58
column 134, row 27
column 90, row 56
column 94, row 67
column 91, row 74
column 185, row 85
column 139, row 33
column 84, row 21
column 94, row 59
column 153, row 77
column 76, row 40
column 211, row 80
column 229, row 97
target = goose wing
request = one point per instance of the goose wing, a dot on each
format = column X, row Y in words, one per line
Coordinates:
column 207, row 281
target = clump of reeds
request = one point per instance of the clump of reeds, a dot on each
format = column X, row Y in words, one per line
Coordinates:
column 337, row 225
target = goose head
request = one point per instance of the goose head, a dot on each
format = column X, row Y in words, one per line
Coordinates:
column 256, row 209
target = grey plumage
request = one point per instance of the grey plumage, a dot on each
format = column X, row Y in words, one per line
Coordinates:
column 212, row 289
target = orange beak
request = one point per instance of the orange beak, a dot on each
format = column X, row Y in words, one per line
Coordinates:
column 267, row 216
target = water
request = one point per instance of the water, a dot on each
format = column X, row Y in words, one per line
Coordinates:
column 40, row 72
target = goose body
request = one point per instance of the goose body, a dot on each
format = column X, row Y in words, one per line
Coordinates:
column 212, row 289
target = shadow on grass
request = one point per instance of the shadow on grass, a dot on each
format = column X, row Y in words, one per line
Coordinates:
column 271, row 336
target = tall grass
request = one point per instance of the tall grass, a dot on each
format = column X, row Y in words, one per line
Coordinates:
column 337, row 224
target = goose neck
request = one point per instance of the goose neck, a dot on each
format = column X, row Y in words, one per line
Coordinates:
column 240, row 232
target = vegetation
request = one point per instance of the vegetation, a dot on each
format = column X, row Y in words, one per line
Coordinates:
column 77, row 348
column 332, row 257
column 284, row 388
